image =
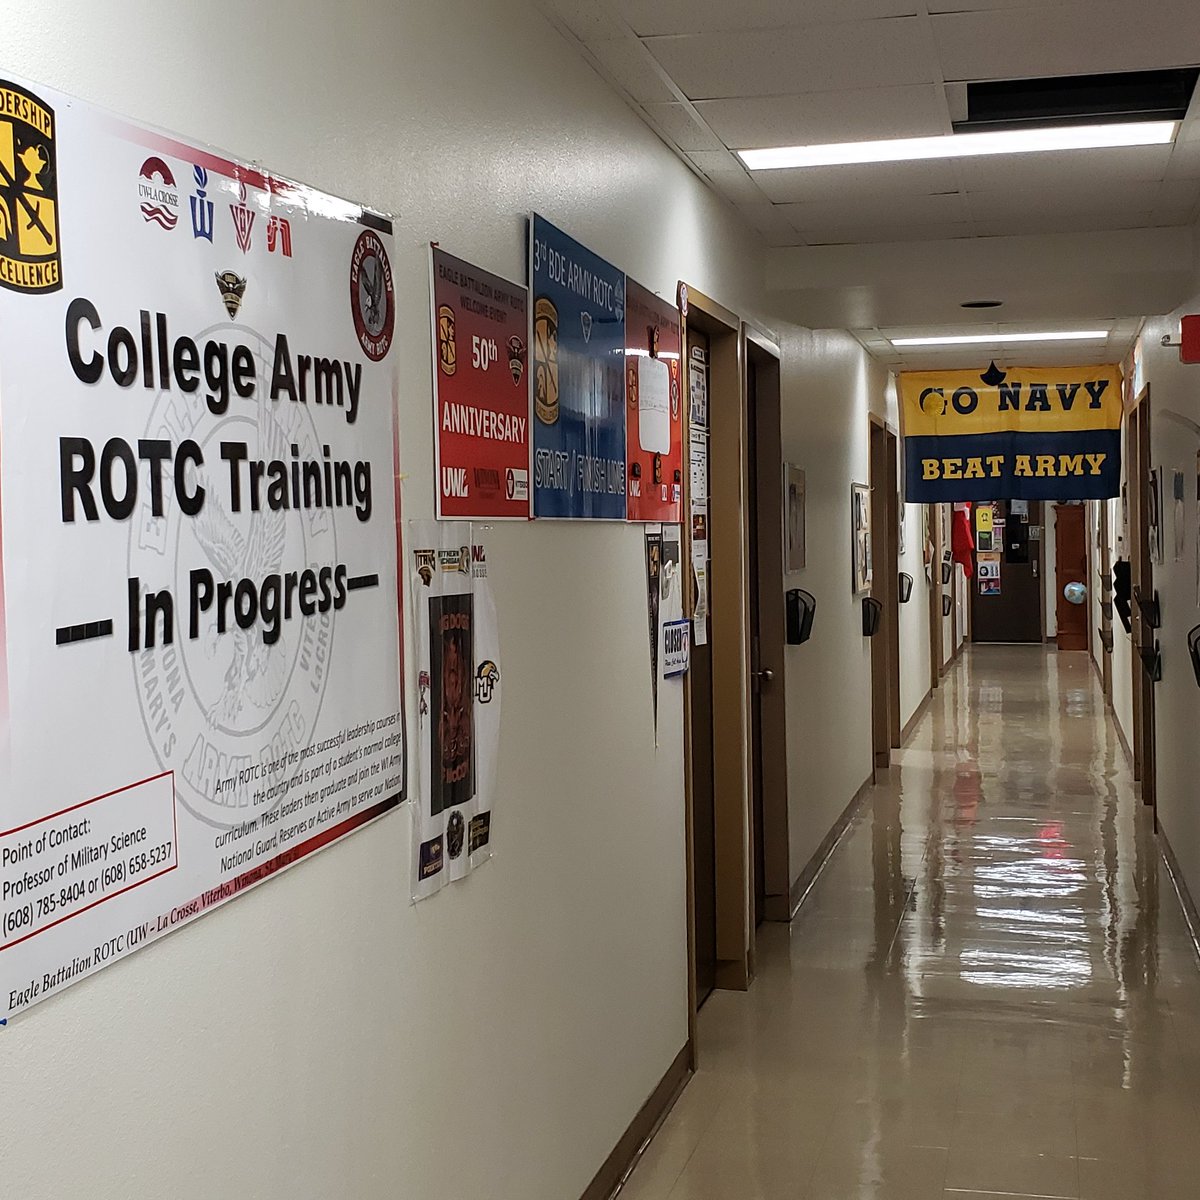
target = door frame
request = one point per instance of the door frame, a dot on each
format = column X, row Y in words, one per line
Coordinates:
column 1141, row 570
column 730, row 644
column 883, row 478
column 768, row 663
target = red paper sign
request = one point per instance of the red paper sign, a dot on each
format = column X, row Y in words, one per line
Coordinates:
column 653, row 408
column 480, row 391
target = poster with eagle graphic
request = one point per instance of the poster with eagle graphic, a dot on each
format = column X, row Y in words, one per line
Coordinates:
column 458, row 716
column 200, row 615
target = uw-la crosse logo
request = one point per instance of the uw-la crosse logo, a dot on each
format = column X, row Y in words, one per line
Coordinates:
column 157, row 194
column 372, row 299
column 487, row 678
column 30, row 260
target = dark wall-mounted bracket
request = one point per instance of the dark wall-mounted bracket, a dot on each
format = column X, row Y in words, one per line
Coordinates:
column 1193, row 644
column 1152, row 661
column 801, row 608
column 1148, row 607
column 906, row 587
column 872, row 612
column 947, row 605
column 947, row 571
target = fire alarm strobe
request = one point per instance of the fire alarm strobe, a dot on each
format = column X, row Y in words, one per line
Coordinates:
column 1189, row 339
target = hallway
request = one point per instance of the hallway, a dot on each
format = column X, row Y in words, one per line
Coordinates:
column 990, row 991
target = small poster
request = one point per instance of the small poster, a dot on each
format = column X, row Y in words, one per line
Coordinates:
column 677, row 648
column 578, row 354
column 698, row 493
column 988, row 565
column 1177, row 494
column 989, row 587
column 654, row 550
column 700, row 574
column 654, row 409
column 984, row 518
column 1154, row 517
column 458, row 716
column 480, row 391
column 794, row 511
column 860, row 498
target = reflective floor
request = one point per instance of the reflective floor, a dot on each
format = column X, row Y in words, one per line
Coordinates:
column 990, row 992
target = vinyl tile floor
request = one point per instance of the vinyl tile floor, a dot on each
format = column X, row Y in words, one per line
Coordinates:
column 991, row 990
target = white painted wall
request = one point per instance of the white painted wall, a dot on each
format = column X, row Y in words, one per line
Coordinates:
column 915, row 679
column 320, row 1037
column 1175, row 442
column 830, row 386
column 915, row 666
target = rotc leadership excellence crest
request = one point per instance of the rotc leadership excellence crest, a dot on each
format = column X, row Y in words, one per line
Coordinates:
column 29, row 254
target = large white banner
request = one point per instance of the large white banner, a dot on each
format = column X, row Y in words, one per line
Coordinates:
column 199, row 627
column 459, row 683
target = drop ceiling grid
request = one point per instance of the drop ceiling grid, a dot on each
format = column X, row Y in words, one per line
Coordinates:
column 711, row 77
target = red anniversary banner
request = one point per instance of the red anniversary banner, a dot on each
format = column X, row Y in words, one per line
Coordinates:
column 481, row 391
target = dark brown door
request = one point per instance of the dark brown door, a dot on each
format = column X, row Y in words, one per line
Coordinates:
column 1070, row 566
column 1014, row 613
column 1145, row 638
column 885, row 645
column 704, row 845
column 763, row 676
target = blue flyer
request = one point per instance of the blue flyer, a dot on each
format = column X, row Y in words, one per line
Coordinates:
column 578, row 343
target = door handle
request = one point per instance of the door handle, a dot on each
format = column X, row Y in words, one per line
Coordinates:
column 766, row 675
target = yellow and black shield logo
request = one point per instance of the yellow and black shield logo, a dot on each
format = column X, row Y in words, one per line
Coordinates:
column 29, row 252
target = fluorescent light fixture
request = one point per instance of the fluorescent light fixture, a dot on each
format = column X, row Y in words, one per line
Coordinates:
column 965, row 145
column 983, row 339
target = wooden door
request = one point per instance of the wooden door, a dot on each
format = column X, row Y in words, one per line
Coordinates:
column 1070, row 558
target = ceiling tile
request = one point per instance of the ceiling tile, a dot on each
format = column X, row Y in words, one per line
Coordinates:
column 866, row 234
column 675, row 122
column 1094, row 222
column 1069, row 39
column 880, row 179
column 766, row 62
column 587, row 20
column 1069, row 169
column 768, row 221
column 653, row 17
column 820, row 117
column 631, row 69
column 1116, row 197
column 869, row 209
column 865, row 211
column 1180, row 193
column 728, row 176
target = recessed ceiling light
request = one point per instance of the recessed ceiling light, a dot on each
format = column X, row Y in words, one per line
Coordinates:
column 981, row 304
column 983, row 339
column 965, row 145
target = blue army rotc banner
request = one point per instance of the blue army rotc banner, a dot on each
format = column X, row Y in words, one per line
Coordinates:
column 577, row 338
column 199, row 592
column 1049, row 433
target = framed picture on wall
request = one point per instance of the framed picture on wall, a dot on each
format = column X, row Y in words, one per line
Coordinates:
column 860, row 509
column 793, row 508
column 1154, row 516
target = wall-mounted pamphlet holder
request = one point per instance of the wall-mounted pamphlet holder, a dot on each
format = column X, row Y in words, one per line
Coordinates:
column 872, row 610
column 906, row 587
column 1193, row 640
column 1148, row 605
column 947, row 605
column 801, row 608
column 1106, row 608
column 947, row 572
column 1152, row 661
column 1105, row 582
column 1106, row 640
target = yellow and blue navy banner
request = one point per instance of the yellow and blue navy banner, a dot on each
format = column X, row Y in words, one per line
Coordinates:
column 1050, row 433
